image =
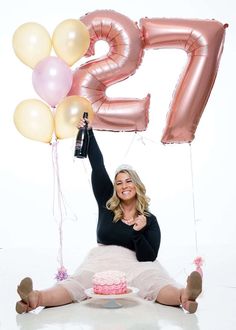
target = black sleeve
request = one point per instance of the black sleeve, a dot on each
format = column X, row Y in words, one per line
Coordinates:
column 101, row 183
column 147, row 241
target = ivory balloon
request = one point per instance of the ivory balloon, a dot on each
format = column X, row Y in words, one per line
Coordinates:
column 68, row 113
column 34, row 120
column 31, row 43
column 71, row 40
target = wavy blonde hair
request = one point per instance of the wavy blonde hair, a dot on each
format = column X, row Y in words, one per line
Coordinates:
column 142, row 201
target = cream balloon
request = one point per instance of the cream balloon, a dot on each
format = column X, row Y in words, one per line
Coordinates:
column 31, row 43
column 34, row 120
column 68, row 114
column 71, row 40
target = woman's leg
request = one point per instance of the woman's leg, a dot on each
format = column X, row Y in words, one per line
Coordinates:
column 169, row 295
column 31, row 299
column 55, row 296
column 172, row 296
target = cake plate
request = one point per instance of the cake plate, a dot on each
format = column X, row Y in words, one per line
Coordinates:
column 111, row 298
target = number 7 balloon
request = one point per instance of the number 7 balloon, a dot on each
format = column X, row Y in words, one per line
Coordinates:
column 203, row 42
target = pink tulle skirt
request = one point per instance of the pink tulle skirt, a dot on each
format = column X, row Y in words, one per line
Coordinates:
column 148, row 277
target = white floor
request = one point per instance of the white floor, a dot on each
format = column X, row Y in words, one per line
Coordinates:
column 216, row 311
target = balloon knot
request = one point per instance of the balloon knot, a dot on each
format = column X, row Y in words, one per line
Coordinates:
column 198, row 261
column 61, row 274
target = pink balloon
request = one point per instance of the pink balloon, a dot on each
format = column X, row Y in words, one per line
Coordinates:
column 203, row 42
column 92, row 79
column 52, row 79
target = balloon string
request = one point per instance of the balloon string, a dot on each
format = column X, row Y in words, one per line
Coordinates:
column 59, row 200
column 129, row 146
column 198, row 261
column 193, row 199
column 193, row 202
column 143, row 138
column 86, row 172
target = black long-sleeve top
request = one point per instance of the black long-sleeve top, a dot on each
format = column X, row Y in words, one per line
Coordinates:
column 145, row 242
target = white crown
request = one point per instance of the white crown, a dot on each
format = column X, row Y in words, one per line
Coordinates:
column 124, row 167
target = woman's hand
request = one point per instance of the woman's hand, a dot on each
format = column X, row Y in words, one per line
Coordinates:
column 82, row 122
column 140, row 222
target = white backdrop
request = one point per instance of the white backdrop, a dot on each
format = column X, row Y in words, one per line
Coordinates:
column 26, row 171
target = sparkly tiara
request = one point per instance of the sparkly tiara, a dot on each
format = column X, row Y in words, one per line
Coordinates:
column 124, row 167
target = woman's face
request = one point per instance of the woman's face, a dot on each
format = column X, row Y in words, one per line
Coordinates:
column 125, row 188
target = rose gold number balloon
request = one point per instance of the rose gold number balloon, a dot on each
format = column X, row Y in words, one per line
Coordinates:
column 92, row 79
column 203, row 41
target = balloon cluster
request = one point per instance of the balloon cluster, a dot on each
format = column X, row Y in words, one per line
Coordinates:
column 202, row 40
column 52, row 79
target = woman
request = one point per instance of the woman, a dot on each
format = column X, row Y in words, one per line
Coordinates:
column 128, row 237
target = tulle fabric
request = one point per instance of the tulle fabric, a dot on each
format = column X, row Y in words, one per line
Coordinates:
column 148, row 277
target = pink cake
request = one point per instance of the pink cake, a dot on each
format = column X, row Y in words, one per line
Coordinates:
column 109, row 282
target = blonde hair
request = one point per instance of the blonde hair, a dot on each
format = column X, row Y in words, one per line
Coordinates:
column 142, row 201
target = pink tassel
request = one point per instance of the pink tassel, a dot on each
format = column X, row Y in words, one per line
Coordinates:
column 198, row 261
column 61, row 274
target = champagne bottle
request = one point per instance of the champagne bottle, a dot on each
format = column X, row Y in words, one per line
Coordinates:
column 82, row 140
